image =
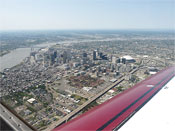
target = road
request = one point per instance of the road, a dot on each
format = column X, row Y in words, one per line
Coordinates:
column 80, row 108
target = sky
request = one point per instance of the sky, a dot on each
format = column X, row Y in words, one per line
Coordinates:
column 86, row 14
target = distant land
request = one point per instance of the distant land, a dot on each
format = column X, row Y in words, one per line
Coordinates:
column 14, row 39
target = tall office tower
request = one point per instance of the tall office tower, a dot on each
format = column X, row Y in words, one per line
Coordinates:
column 94, row 55
column 100, row 54
column 64, row 56
column 118, row 60
column 55, row 54
column 123, row 60
column 52, row 59
column 114, row 60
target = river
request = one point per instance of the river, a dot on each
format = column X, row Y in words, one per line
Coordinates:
column 16, row 56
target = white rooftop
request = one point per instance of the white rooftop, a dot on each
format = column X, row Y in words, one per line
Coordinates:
column 31, row 100
column 152, row 72
column 158, row 114
column 127, row 57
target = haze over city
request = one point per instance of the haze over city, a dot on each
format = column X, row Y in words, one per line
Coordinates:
column 87, row 65
column 86, row 14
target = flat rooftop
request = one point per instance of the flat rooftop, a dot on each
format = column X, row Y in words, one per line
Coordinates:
column 158, row 114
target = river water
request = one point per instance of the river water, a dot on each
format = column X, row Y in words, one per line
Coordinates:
column 16, row 56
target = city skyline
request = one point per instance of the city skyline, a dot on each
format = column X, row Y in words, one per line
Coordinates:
column 89, row 14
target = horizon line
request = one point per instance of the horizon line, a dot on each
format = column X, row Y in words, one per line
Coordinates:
column 124, row 29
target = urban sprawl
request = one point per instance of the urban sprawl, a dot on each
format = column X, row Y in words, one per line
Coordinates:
column 55, row 81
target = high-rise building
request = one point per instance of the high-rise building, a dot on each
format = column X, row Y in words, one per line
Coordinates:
column 94, row 55
column 55, row 54
column 52, row 59
column 124, row 60
column 100, row 54
column 118, row 60
column 64, row 56
column 114, row 60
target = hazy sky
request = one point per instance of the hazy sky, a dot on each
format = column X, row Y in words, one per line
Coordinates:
column 87, row 14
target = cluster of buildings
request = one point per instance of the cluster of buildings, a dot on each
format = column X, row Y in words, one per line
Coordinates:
column 57, row 68
column 72, row 74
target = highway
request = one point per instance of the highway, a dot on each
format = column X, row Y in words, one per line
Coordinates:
column 14, row 121
column 80, row 108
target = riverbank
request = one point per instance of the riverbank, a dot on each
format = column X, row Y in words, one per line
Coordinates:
column 16, row 56
column 4, row 53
